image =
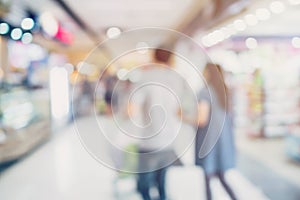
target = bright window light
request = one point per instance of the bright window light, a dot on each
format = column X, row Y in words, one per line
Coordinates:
column 59, row 92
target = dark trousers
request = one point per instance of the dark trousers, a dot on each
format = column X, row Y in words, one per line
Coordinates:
column 153, row 167
column 147, row 180
column 221, row 177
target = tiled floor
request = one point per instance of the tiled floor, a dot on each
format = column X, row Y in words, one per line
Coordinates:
column 266, row 164
column 62, row 170
column 275, row 186
column 270, row 152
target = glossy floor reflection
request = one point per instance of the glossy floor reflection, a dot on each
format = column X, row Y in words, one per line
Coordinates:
column 62, row 170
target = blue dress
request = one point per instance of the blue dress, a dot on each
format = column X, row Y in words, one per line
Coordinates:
column 214, row 149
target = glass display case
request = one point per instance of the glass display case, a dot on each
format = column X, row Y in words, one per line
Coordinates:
column 24, row 121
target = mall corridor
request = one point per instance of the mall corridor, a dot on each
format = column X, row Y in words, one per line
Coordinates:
column 67, row 171
column 149, row 100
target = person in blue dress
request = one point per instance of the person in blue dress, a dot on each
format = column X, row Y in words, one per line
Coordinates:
column 214, row 149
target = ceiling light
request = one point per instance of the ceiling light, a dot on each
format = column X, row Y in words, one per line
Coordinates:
column 135, row 76
column 49, row 24
column 27, row 38
column 4, row 28
column 251, row 20
column 263, row 14
column 69, row 67
column 296, row 42
column 277, row 7
column 16, row 34
column 226, row 32
column 122, row 74
column 294, row 2
column 27, row 24
column 113, row 32
column 239, row 25
column 212, row 39
column 251, row 43
column 209, row 40
column 206, row 41
column 232, row 29
column 218, row 36
column 142, row 47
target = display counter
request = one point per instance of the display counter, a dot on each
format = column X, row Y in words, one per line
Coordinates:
column 25, row 122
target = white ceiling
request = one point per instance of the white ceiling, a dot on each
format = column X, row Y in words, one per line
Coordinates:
column 100, row 14
column 284, row 24
column 41, row 6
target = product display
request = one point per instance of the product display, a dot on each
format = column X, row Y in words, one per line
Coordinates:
column 281, row 100
column 25, row 122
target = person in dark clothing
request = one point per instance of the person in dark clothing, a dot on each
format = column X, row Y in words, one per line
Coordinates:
column 215, row 151
column 156, row 151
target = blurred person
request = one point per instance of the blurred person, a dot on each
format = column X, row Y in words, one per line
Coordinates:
column 100, row 103
column 110, row 95
column 84, row 99
column 124, row 92
column 221, row 158
column 159, row 114
column 87, row 90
